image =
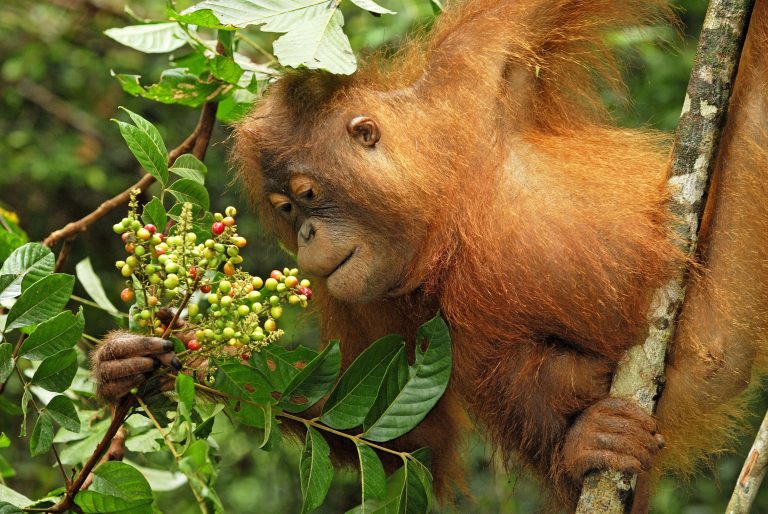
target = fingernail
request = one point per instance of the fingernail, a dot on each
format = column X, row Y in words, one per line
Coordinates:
column 176, row 363
column 167, row 346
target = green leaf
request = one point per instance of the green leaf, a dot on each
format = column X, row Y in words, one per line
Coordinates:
column 154, row 212
column 7, row 508
column 226, row 69
column 188, row 190
column 152, row 38
column 12, row 497
column 415, row 492
column 53, row 336
column 314, row 381
column 92, row 284
column 4, row 441
column 201, row 18
column 176, row 86
column 32, row 261
column 408, row 393
column 61, row 410
column 41, row 301
column 371, row 6
column 238, row 381
column 6, row 361
column 280, row 365
column 6, row 405
column 185, row 388
column 188, row 166
column 145, row 443
column 316, row 471
column 42, row 437
column 146, row 145
column 56, row 372
column 353, row 396
column 116, row 487
column 313, row 35
column 372, row 477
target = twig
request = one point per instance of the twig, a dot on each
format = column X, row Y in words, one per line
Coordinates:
column 752, row 474
column 168, row 441
column 693, row 159
column 66, row 246
column 197, row 142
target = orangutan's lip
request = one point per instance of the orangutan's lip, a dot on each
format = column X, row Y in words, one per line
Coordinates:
column 343, row 261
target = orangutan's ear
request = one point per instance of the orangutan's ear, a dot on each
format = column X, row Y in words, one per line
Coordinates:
column 364, row 130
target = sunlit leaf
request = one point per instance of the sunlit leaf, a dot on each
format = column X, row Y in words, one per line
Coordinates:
column 190, row 167
column 188, row 190
column 50, row 337
column 6, row 361
column 176, row 86
column 56, row 372
column 116, row 487
column 146, row 144
column 61, row 410
column 32, row 261
column 152, row 38
column 41, row 301
column 154, row 212
column 92, row 285
column 371, row 6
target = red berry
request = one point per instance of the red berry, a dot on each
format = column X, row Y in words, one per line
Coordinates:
column 159, row 251
column 130, row 247
column 193, row 345
column 245, row 356
column 193, row 272
column 217, row 228
column 206, row 288
column 152, row 229
column 126, row 295
column 229, row 269
column 124, row 236
column 306, row 292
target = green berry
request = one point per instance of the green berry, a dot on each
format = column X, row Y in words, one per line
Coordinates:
column 126, row 271
column 243, row 310
column 256, row 307
column 140, row 250
column 274, row 300
column 226, row 301
column 132, row 261
column 228, row 333
column 254, row 295
column 280, row 287
column 276, row 312
column 213, row 299
column 271, row 284
column 193, row 310
column 118, row 228
column 171, row 281
column 225, row 286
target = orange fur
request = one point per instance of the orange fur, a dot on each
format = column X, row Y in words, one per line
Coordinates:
column 540, row 227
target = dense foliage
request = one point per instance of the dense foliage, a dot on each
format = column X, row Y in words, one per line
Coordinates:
column 61, row 157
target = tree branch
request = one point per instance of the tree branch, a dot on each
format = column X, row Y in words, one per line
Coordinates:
column 693, row 158
column 752, row 474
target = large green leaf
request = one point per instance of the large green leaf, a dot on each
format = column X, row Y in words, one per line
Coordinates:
column 6, row 361
column 116, row 487
column 56, row 372
column 147, row 146
column 92, row 284
column 244, row 382
column 351, row 399
column 313, row 35
column 42, row 436
column 57, row 334
column 10, row 496
column 408, row 393
column 314, row 381
column 41, row 301
column 152, row 38
column 189, row 166
column 188, row 190
column 33, row 261
column 61, row 410
column 176, row 86
column 7, row 508
column 416, row 488
column 372, row 477
column 371, row 6
column 280, row 365
column 316, row 471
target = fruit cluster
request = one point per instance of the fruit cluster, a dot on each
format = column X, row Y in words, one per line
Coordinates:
column 225, row 309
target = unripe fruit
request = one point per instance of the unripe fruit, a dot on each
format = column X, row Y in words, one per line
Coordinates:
column 254, row 295
column 280, row 287
column 171, row 267
column 145, row 314
column 228, row 333
column 154, row 278
column 294, row 272
column 152, row 300
column 270, row 325
column 229, row 269
column 276, row 312
column 228, row 221
column 193, row 310
column 274, row 300
column 256, row 307
column 162, row 259
column 132, row 261
column 240, row 242
column 271, row 284
column 237, row 259
column 143, row 234
column 140, row 250
column 225, row 301
column 119, row 264
column 127, row 295
column 159, row 330
column 118, row 228
column 293, row 299
column 232, row 251
column 218, row 216
column 225, row 286
column 171, row 281
column 193, row 345
column 135, row 225
column 126, row 271
column 304, row 283
column 277, row 275
column 257, row 283
column 213, row 299
column 191, row 237
column 217, row 228
column 243, row 310
column 209, row 243
column 230, row 211
column 291, row 281
column 156, row 239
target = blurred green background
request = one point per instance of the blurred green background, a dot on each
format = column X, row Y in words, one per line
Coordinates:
column 60, row 157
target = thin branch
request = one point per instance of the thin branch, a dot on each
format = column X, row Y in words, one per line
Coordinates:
column 693, row 159
column 168, row 441
column 752, row 474
column 197, row 143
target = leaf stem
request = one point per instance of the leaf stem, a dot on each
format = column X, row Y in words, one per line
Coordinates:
column 95, row 305
column 151, row 416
